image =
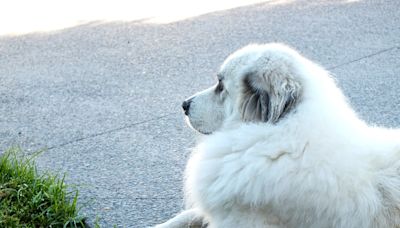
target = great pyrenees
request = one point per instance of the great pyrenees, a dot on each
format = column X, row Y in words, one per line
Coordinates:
column 282, row 148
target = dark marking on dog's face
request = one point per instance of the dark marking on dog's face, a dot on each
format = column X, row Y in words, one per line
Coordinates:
column 220, row 87
column 267, row 97
column 255, row 103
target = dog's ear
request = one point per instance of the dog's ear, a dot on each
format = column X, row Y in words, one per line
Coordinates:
column 254, row 103
column 267, row 96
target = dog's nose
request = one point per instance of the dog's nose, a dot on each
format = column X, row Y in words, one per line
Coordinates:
column 186, row 106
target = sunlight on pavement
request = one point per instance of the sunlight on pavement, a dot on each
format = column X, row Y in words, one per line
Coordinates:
column 26, row 16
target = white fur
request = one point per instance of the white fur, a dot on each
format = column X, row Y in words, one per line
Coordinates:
column 319, row 166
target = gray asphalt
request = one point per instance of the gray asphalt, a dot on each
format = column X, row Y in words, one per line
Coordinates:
column 104, row 98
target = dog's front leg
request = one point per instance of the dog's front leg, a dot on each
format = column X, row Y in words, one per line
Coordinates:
column 186, row 219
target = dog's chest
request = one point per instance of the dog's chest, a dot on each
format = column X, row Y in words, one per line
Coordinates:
column 227, row 188
column 222, row 181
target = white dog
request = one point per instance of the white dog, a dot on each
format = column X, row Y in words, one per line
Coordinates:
column 282, row 148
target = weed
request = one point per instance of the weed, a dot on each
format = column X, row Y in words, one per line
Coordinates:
column 30, row 199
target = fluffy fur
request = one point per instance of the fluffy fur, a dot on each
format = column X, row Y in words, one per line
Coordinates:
column 284, row 149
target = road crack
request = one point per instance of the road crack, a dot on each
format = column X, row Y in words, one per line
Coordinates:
column 364, row 57
column 109, row 131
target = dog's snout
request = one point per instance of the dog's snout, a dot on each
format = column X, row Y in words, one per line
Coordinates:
column 186, row 106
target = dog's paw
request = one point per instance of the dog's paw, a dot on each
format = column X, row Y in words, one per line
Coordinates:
column 186, row 219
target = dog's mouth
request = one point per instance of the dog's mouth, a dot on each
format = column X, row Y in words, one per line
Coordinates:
column 187, row 120
column 204, row 132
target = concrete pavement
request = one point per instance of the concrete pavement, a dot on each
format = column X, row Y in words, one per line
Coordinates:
column 105, row 97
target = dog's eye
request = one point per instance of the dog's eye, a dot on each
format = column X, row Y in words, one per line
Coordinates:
column 220, row 87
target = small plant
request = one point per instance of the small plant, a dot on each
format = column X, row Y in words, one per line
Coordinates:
column 30, row 199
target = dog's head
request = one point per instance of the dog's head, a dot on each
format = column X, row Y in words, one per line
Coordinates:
column 258, row 83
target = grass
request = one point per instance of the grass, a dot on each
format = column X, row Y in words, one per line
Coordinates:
column 30, row 199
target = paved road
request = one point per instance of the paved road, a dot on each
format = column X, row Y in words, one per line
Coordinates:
column 105, row 97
